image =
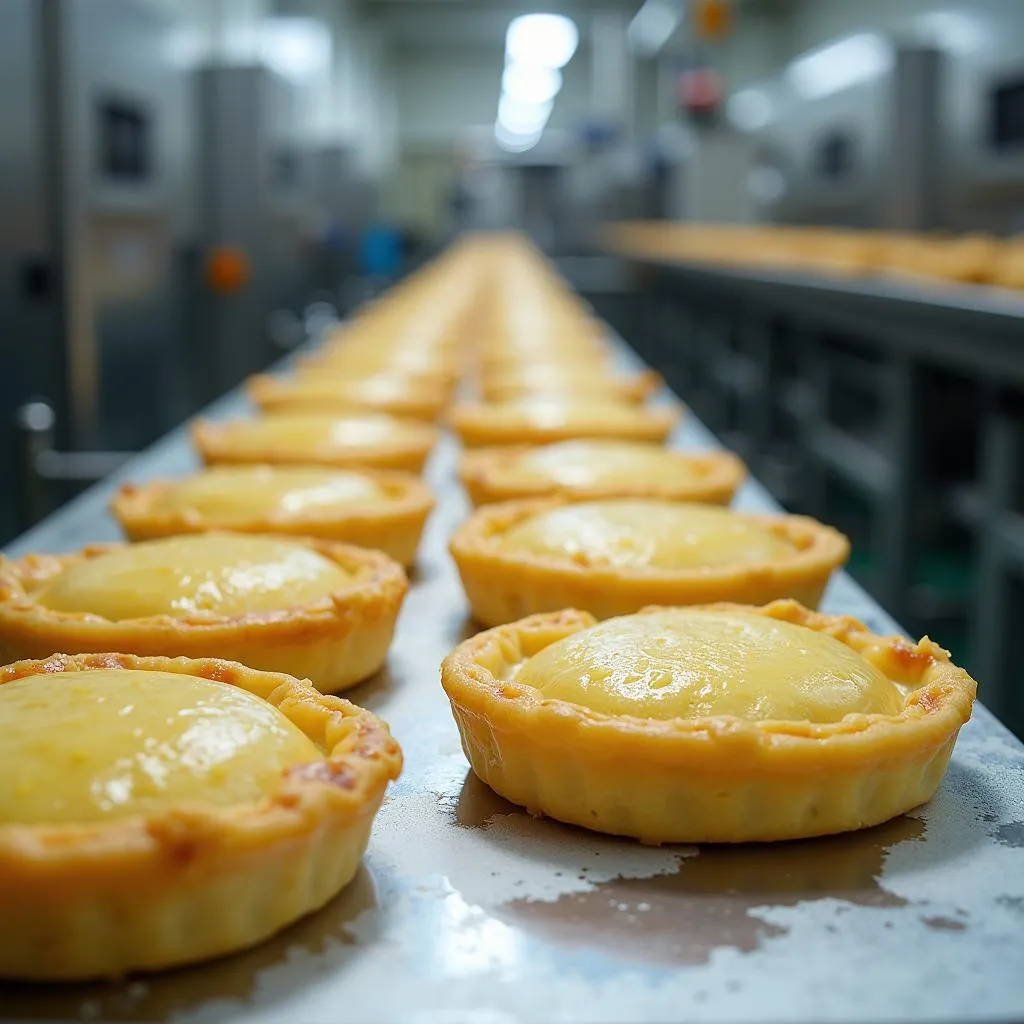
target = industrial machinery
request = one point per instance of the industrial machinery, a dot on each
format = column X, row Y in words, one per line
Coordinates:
column 98, row 217
column 251, row 189
column 155, row 218
column 920, row 130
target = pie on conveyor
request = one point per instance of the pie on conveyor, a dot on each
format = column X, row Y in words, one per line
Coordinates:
column 309, row 608
column 567, row 382
column 371, row 508
column 723, row 723
column 616, row 556
column 546, row 420
column 160, row 811
column 391, row 394
column 600, row 469
column 379, row 441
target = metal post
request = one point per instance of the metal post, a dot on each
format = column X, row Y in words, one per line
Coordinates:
column 991, row 620
column 757, row 419
column 813, row 416
column 894, row 512
column 35, row 424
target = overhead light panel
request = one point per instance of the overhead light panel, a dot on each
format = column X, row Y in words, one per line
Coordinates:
column 516, row 142
column 954, row 30
column 296, row 48
column 749, row 110
column 523, row 117
column 653, row 25
column 839, row 65
column 530, row 83
column 547, row 40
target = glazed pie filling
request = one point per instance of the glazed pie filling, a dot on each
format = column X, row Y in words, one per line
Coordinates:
column 556, row 411
column 376, row 388
column 686, row 663
column 185, row 577
column 90, row 746
column 645, row 534
column 587, row 463
column 227, row 494
column 316, row 432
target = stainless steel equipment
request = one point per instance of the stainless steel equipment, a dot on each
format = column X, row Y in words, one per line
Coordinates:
column 982, row 119
column 119, row 139
column 929, row 134
column 251, row 195
column 32, row 359
column 97, row 208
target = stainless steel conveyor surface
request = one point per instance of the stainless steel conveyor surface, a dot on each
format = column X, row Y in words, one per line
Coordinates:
column 469, row 909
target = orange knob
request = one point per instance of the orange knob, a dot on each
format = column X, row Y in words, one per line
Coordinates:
column 227, row 269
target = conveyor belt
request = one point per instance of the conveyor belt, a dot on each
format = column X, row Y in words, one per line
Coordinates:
column 968, row 327
column 468, row 909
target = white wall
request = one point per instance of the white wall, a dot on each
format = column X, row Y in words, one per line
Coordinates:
column 442, row 92
column 350, row 99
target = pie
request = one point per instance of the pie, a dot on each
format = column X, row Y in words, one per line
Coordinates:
column 600, row 469
column 341, row 365
column 375, row 509
column 723, row 723
column 615, row 556
column 160, row 811
column 310, row 608
column 367, row 439
column 387, row 393
column 545, row 380
column 544, row 421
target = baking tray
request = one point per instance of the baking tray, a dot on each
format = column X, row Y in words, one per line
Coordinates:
column 467, row 909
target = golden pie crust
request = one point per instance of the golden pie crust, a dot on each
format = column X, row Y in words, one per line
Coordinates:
column 488, row 475
column 714, row 779
column 534, row 422
column 329, row 364
column 504, row 585
column 337, row 640
column 191, row 882
column 513, row 384
column 393, row 524
column 399, row 444
column 388, row 394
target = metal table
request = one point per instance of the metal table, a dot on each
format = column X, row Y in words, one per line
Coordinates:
column 468, row 909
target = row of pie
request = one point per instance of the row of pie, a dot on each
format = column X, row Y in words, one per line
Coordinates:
column 201, row 788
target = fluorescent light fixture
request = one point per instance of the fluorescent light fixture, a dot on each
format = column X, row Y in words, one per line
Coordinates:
column 515, row 142
column 840, row 64
column 749, row 109
column 954, row 30
column 549, row 40
column 296, row 48
column 653, row 25
column 523, row 118
column 530, row 83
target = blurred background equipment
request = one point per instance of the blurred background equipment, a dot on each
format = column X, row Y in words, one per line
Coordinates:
column 809, row 214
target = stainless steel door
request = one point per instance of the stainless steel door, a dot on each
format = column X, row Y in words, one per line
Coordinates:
column 30, row 355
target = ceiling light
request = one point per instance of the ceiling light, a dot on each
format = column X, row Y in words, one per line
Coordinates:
column 749, row 109
column 839, row 65
column 953, row 30
column 296, row 48
column 531, row 83
column 515, row 142
column 653, row 25
column 549, row 40
column 523, row 118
